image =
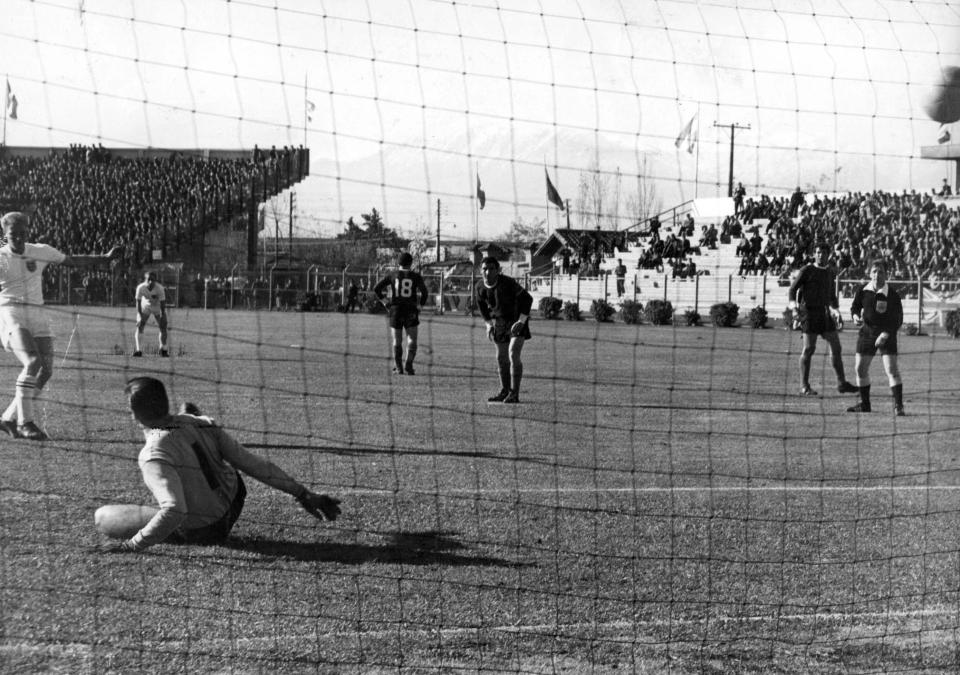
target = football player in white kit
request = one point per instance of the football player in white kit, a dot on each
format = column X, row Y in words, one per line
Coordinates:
column 24, row 322
column 151, row 300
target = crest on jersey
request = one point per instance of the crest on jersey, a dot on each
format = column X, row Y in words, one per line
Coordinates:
column 31, row 265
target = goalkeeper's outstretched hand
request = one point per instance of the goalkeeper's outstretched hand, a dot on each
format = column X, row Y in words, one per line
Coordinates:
column 321, row 507
column 118, row 547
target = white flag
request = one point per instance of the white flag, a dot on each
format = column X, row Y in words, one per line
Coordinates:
column 310, row 108
column 11, row 103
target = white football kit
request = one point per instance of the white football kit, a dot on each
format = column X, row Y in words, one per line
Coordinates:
column 150, row 300
column 21, row 290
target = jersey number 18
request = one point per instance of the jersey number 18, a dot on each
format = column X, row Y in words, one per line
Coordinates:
column 404, row 288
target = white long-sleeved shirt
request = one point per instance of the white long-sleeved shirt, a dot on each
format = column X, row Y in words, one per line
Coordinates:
column 190, row 465
column 21, row 274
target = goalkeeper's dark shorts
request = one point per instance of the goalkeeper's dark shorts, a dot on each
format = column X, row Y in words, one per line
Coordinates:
column 502, row 333
column 816, row 320
column 214, row 533
column 867, row 342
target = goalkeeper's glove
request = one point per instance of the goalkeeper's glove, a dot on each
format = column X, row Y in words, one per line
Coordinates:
column 320, row 507
column 516, row 330
column 125, row 546
column 881, row 339
column 837, row 318
column 490, row 330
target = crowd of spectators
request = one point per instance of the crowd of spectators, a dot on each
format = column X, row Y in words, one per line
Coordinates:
column 918, row 234
column 86, row 199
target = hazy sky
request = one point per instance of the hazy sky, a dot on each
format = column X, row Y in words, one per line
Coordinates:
column 412, row 97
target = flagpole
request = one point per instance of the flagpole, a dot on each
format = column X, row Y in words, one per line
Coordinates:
column 696, row 171
column 476, row 207
column 6, row 104
column 305, row 92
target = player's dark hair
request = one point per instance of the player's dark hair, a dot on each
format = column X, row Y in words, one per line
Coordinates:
column 824, row 245
column 490, row 260
column 879, row 262
column 405, row 260
column 148, row 399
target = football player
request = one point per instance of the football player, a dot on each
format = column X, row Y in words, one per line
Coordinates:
column 505, row 307
column 192, row 467
column 151, row 300
column 819, row 310
column 24, row 322
column 407, row 294
column 878, row 310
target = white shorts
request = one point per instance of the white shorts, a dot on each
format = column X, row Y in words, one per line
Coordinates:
column 150, row 310
column 35, row 319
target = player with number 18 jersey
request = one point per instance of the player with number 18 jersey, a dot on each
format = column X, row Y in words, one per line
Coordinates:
column 403, row 293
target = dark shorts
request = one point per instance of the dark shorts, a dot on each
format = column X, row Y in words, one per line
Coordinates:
column 399, row 317
column 866, row 344
column 816, row 320
column 501, row 331
column 214, row 533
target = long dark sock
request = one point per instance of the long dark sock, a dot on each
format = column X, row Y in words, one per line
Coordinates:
column 865, row 396
column 515, row 376
column 897, row 391
column 411, row 355
column 398, row 355
column 505, row 377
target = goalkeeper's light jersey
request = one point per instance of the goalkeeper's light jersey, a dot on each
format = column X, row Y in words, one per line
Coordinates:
column 21, row 275
column 190, row 465
column 149, row 299
column 193, row 449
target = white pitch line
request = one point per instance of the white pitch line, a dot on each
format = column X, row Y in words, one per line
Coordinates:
column 666, row 490
column 843, row 617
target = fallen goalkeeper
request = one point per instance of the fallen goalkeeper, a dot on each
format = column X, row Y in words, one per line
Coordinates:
column 192, row 467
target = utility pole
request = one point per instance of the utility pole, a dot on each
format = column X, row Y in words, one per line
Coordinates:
column 733, row 130
column 293, row 201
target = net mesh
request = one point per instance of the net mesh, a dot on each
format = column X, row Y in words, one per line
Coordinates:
column 661, row 499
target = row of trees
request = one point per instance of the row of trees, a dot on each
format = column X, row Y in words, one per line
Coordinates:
column 600, row 202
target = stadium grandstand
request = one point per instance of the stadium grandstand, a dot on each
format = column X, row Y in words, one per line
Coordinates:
column 195, row 210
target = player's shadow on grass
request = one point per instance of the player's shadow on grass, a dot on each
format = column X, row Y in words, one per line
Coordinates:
column 409, row 548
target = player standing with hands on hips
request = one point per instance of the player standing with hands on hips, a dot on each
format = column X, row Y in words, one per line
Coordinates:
column 24, row 321
column 813, row 294
column 192, row 467
column 408, row 293
column 151, row 300
column 505, row 306
column 878, row 310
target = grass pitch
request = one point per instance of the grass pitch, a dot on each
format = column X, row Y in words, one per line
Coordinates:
column 662, row 500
